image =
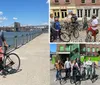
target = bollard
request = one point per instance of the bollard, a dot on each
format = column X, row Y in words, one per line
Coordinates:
column 27, row 38
column 15, row 42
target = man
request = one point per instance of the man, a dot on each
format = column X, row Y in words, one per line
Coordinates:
column 51, row 19
column 94, row 26
column 85, row 24
column 89, row 68
column 67, row 67
column 2, row 41
column 78, row 62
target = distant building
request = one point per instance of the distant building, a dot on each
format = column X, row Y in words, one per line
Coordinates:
column 17, row 26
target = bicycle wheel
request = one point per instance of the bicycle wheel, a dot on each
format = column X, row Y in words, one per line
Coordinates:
column 65, row 37
column 88, row 37
column 63, row 81
column 76, row 33
column 71, row 80
column 12, row 62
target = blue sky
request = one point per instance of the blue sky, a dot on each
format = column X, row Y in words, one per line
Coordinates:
column 53, row 47
column 33, row 12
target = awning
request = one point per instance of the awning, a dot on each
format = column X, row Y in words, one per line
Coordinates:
column 63, row 53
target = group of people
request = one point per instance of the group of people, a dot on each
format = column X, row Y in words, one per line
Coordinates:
column 71, row 67
column 72, row 18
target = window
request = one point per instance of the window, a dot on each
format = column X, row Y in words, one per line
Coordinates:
column 93, row 49
column 82, row 1
column 88, row 49
column 93, row 11
column 56, row 13
column 56, row 1
column 68, row 48
column 97, row 49
column 64, row 13
column 93, row 1
column 84, row 49
column 79, row 12
column 66, row 0
column 97, row 11
column 61, row 48
column 86, row 12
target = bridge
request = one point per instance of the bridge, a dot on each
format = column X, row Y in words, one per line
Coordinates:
column 16, row 26
column 34, row 68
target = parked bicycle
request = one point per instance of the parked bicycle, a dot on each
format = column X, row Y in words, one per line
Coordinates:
column 67, row 31
column 11, row 62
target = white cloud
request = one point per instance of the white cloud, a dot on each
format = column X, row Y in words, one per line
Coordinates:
column 45, row 23
column 48, row 1
column 3, row 18
column 14, row 18
column 1, row 13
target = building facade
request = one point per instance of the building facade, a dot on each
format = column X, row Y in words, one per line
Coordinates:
column 72, row 51
column 88, row 8
column 90, row 49
column 61, row 8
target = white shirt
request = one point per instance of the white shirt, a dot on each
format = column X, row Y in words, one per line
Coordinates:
column 51, row 21
column 88, row 62
column 67, row 64
column 84, row 64
column 94, row 22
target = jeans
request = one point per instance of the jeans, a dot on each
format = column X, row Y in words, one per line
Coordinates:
column 58, row 74
column 89, row 71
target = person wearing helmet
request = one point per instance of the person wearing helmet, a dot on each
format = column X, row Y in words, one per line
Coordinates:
column 94, row 26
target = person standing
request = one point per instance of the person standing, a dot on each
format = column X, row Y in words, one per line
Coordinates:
column 85, row 23
column 89, row 68
column 59, row 67
column 67, row 67
column 78, row 62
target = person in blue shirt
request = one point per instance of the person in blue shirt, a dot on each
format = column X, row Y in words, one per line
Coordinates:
column 57, row 27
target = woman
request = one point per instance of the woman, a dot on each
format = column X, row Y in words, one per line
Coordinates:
column 59, row 67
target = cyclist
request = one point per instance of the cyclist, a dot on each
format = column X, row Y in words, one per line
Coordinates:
column 57, row 27
column 67, row 67
column 59, row 67
column 2, row 41
column 93, row 28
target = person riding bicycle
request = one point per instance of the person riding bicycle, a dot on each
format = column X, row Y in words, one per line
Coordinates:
column 93, row 27
column 2, row 41
column 57, row 27
column 67, row 67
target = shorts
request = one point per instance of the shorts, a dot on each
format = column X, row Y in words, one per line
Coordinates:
column 1, row 51
column 93, row 31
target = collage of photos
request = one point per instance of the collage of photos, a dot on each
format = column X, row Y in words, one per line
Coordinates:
column 74, row 42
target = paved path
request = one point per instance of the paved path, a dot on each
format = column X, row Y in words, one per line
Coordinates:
column 87, row 82
column 34, row 64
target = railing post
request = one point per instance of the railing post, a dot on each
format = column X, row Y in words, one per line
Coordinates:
column 15, row 42
column 22, row 39
column 27, row 38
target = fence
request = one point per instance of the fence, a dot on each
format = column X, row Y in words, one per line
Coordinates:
column 18, row 41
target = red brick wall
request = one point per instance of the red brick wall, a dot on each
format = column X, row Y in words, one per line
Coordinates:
column 87, row 3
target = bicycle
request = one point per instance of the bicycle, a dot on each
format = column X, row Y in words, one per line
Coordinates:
column 76, row 78
column 9, row 65
column 84, row 73
column 68, row 30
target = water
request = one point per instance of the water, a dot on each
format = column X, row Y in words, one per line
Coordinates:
column 22, row 37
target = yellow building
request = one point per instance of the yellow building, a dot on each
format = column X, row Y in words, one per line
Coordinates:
column 61, row 8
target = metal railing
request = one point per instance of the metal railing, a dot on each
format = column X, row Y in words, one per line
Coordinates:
column 17, row 41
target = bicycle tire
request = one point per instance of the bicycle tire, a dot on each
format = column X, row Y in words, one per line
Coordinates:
column 9, row 61
column 65, row 37
column 76, row 31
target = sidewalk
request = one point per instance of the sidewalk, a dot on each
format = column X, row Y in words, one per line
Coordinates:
column 34, row 64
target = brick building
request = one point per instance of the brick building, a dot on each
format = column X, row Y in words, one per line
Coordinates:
column 87, row 7
column 61, row 8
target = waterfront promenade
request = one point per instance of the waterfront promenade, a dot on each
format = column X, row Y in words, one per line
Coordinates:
column 35, row 67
